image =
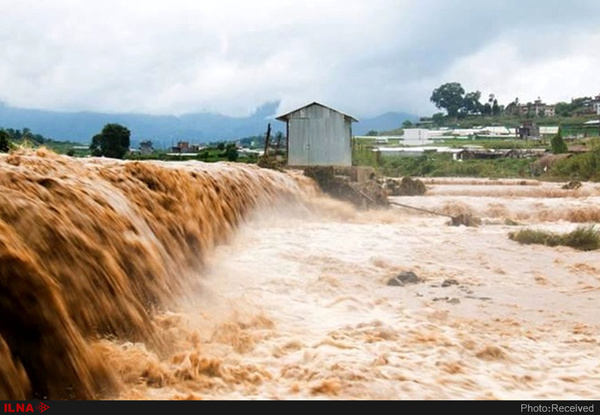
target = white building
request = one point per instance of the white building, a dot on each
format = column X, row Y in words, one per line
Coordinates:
column 548, row 129
column 416, row 136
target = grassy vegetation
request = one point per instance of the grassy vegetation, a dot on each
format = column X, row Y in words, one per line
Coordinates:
column 585, row 166
column 442, row 165
column 578, row 166
column 503, row 144
column 584, row 238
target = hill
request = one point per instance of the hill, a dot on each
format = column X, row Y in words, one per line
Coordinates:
column 166, row 130
column 385, row 122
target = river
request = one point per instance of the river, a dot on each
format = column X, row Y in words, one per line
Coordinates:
column 154, row 280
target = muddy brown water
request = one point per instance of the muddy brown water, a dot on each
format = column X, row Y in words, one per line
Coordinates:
column 130, row 280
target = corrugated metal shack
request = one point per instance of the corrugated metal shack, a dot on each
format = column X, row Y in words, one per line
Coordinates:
column 318, row 136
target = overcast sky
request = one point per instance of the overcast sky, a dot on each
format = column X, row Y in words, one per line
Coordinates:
column 363, row 57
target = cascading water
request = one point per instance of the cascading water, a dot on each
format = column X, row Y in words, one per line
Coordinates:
column 91, row 248
column 152, row 280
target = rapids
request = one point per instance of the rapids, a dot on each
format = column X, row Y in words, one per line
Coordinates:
column 92, row 249
column 185, row 280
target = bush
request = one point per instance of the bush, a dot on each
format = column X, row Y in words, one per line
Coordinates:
column 231, row 152
column 584, row 166
column 584, row 238
column 558, row 144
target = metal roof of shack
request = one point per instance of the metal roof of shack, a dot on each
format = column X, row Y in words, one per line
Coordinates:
column 285, row 116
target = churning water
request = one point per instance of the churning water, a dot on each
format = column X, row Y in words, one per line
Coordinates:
column 150, row 280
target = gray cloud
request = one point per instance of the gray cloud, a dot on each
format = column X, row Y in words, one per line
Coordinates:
column 181, row 56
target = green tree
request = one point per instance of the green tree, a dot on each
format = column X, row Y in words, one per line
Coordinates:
column 113, row 142
column 407, row 124
column 372, row 133
column 558, row 144
column 563, row 109
column 438, row 118
column 471, row 103
column 231, row 152
column 495, row 107
column 14, row 134
column 4, row 141
column 204, row 155
column 27, row 134
column 449, row 96
column 513, row 107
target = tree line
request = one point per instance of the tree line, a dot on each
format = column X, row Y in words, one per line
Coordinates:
column 113, row 141
column 459, row 103
column 11, row 135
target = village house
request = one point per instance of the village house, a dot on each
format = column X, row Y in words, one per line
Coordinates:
column 146, row 147
column 538, row 108
column 596, row 105
column 185, row 147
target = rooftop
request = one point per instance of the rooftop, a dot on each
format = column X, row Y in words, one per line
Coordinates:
column 285, row 116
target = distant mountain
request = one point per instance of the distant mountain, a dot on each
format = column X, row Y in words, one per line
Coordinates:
column 386, row 122
column 166, row 130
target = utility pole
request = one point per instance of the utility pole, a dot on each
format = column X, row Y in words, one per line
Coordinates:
column 267, row 138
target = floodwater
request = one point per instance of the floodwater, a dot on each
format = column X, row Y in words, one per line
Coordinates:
column 146, row 281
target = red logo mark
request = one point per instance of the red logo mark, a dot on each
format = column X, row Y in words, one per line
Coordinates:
column 20, row 407
column 42, row 407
